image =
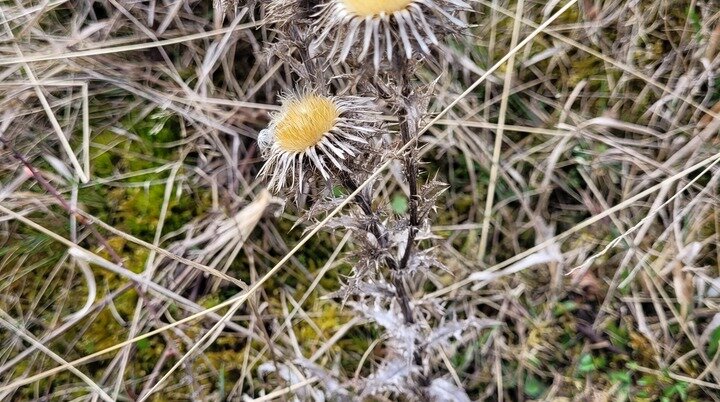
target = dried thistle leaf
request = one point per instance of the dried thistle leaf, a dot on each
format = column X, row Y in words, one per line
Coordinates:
column 442, row 390
column 392, row 376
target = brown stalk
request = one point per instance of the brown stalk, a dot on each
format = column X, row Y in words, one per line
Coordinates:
column 63, row 203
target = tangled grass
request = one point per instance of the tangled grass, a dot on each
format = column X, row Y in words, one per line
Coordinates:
column 140, row 258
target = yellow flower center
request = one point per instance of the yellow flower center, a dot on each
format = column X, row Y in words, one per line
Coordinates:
column 372, row 8
column 304, row 122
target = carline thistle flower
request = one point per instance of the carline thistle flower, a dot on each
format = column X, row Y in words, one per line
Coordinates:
column 383, row 27
column 315, row 133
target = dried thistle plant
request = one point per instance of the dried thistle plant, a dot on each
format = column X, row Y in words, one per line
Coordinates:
column 318, row 140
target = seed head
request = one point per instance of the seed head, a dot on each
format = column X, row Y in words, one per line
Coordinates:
column 355, row 28
column 373, row 8
column 314, row 133
column 305, row 122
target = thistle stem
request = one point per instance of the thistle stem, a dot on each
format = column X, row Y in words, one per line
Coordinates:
column 408, row 116
column 408, row 132
column 380, row 233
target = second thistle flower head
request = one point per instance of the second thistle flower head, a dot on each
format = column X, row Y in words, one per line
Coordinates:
column 383, row 27
column 316, row 134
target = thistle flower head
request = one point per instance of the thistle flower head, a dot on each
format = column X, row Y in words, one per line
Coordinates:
column 305, row 122
column 356, row 28
column 314, row 133
column 372, row 8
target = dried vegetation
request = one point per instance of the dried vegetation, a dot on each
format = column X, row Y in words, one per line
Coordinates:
column 141, row 258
